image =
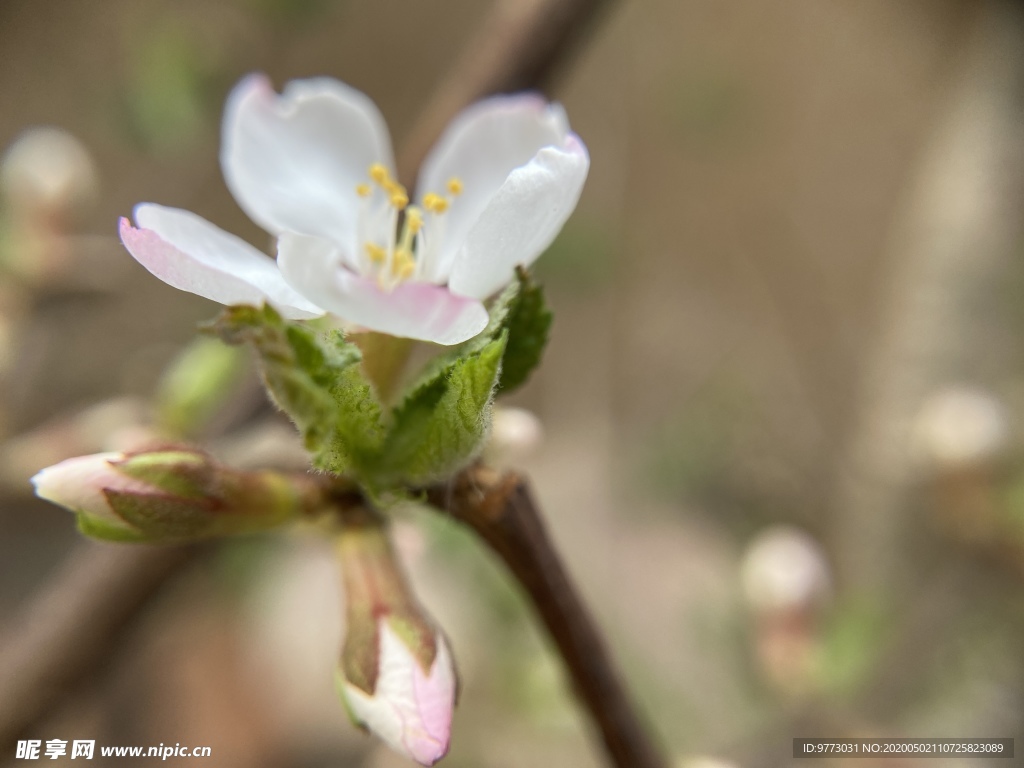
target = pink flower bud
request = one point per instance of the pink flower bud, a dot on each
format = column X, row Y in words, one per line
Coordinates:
column 175, row 494
column 410, row 708
column 80, row 484
column 396, row 675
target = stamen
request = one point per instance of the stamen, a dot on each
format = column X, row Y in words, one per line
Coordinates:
column 363, row 190
column 379, row 173
column 455, row 186
column 414, row 219
column 376, row 253
column 399, row 199
column 435, row 203
column 404, row 264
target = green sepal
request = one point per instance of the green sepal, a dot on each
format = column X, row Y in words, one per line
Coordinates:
column 165, row 518
column 360, row 655
column 419, row 637
column 528, row 321
column 339, row 688
column 103, row 530
column 185, row 474
column 441, row 424
column 317, row 379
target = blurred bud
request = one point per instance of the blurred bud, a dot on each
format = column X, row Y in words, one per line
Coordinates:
column 196, row 384
column 515, row 434
column 396, row 675
column 172, row 495
column 961, row 436
column 960, row 427
column 784, row 569
column 785, row 579
column 47, row 175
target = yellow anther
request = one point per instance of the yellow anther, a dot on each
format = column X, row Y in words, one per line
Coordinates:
column 435, row 203
column 414, row 219
column 455, row 185
column 379, row 173
column 399, row 199
column 404, row 264
column 376, row 253
column 363, row 190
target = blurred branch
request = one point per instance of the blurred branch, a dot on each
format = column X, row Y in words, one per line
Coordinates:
column 501, row 509
column 522, row 44
column 949, row 250
column 73, row 624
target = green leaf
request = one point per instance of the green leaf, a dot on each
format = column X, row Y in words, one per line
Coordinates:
column 360, row 429
column 521, row 311
column 528, row 321
column 317, row 379
column 441, row 424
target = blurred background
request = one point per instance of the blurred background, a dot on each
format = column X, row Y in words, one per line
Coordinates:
column 781, row 404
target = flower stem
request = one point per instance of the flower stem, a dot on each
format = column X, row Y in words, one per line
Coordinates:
column 500, row 508
column 384, row 359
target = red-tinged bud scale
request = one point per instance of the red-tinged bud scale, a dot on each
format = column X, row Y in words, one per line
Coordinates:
column 176, row 494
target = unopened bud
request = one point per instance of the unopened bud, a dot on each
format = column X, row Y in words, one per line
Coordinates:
column 515, row 434
column 177, row 494
column 784, row 569
column 396, row 676
column 959, row 427
column 785, row 577
column 47, row 173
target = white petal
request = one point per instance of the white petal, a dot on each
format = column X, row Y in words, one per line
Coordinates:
column 293, row 161
column 412, row 310
column 521, row 220
column 190, row 253
column 481, row 147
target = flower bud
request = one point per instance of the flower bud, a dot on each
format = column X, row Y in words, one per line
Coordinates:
column 515, row 434
column 786, row 579
column 396, row 675
column 960, row 427
column 47, row 173
column 784, row 569
column 176, row 494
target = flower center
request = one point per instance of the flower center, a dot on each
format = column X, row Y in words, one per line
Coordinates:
column 387, row 253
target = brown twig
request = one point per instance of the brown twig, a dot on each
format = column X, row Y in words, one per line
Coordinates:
column 522, row 44
column 501, row 509
column 73, row 624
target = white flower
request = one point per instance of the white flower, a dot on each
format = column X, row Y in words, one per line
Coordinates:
column 410, row 709
column 313, row 166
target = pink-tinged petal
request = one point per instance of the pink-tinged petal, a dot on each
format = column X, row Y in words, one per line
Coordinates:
column 521, row 220
column 435, row 702
column 409, row 711
column 293, row 161
column 78, row 484
column 481, row 147
column 191, row 254
column 315, row 267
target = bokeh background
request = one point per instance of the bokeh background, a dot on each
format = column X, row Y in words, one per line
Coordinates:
column 782, row 399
